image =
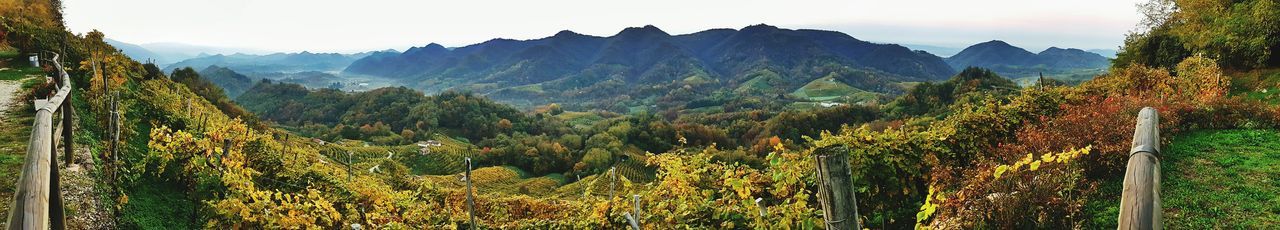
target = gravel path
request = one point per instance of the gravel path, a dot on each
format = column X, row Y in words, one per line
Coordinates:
column 8, row 91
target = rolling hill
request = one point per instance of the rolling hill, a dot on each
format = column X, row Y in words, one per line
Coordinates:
column 231, row 82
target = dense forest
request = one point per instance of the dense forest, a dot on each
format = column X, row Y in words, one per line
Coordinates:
column 966, row 150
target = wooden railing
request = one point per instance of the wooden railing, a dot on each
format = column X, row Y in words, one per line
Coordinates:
column 1140, row 199
column 37, row 204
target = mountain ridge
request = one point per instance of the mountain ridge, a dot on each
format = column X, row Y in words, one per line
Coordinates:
column 573, row 65
column 1014, row 62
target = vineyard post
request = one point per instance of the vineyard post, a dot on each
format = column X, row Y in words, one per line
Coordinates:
column 835, row 188
column 349, row 175
column 287, row 148
column 613, row 179
column 226, row 146
column 115, row 132
column 471, row 203
column 759, row 206
column 632, row 220
column 635, row 199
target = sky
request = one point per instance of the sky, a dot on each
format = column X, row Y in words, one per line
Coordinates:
column 363, row 25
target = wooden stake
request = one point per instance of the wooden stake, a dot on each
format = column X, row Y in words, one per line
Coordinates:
column 471, row 202
column 835, row 189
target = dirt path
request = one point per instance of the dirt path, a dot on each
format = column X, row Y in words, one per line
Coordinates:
column 8, row 91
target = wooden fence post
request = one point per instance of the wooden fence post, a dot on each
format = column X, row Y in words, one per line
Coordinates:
column 67, row 112
column 835, row 188
column 57, row 219
column 1140, row 199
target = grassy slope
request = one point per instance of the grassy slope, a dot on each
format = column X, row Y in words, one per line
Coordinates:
column 1212, row 179
column 1263, row 85
column 1225, row 179
column 824, row 89
column 157, row 204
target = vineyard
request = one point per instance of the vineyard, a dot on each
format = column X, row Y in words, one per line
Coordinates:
column 971, row 152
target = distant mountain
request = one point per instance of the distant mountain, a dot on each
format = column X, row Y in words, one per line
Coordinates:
column 277, row 62
column 232, row 83
column 175, row 52
column 139, row 53
column 941, row 51
column 647, row 62
column 1013, row 62
column 1109, row 53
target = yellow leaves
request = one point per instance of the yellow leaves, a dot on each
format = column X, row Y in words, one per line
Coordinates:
column 1045, row 160
column 929, row 207
column 1047, row 157
column 1000, row 170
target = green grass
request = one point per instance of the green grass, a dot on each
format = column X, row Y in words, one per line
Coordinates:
column 155, row 204
column 15, row 130
column 1213, row 179
column 825, row 89
column 12, row 74
column 1262, row 85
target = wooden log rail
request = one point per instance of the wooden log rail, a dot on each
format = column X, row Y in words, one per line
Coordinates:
column 37, row 204
column 1140, row 199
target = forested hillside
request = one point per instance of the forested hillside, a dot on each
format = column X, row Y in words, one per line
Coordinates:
column 704, row 143
column 640, row 65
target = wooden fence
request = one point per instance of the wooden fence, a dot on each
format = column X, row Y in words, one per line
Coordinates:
column 1140, row 199
column 37, row 204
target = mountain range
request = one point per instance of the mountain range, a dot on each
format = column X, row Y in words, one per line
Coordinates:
column 645, row 66
column 647, row 62
column 164, row 53
column 277, row 62
column 1013, row 62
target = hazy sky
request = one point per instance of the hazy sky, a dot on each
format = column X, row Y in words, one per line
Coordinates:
column 360, row 25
